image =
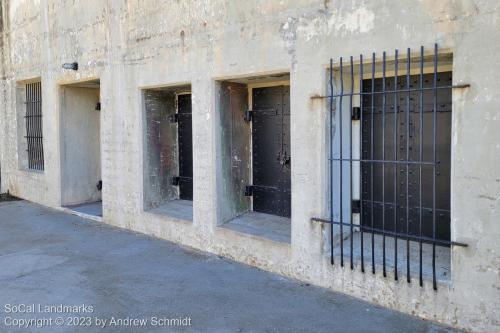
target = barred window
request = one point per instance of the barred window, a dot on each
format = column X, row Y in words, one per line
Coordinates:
column 389, row 161
column 34, row 129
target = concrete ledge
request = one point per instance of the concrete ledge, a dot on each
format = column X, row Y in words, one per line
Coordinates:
column 275, row 228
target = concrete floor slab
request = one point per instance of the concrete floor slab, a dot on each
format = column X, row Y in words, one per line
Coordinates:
column 92, row 208
column 276, row 228
column 443, row 256
column 178, row 209
column 51, row 258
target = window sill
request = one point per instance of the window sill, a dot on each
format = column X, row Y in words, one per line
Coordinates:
column 443, row 257
column 270, row 227
column 179, row 210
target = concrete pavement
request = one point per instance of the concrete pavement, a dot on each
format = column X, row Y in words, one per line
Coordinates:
column 49, row 258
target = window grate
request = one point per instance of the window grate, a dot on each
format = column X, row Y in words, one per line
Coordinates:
column 34, row 130
column 401, row 156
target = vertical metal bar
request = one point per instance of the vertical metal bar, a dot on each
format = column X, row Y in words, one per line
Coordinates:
column 37, row 128
column 383, row 158
column 421, row 158
column 34, row 133
column 408, row 68
column 361, row 159
column 26, row 121
column 331, row 161
column 29, row 107
column 39, row 125
column 42, row 160
column 372, row 140
column 434, row 119
column 341, row 166
column 350, row 167
column 395, row 185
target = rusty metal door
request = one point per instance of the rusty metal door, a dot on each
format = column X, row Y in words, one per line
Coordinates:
column 271, row 150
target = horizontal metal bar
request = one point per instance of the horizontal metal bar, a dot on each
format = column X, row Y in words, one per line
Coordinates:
column 458, row 86
column 367, row 111
column 33, row 137
column 392, row 233
column 262, row 187
column 382, row 161
column 413, row 208
column 30, row 102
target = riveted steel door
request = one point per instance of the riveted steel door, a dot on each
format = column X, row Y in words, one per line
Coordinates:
column 391, row 186
column 271, row 150
column 185, row 137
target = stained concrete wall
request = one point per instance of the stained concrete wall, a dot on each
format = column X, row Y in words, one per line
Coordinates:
column 161, row 160
column 80, row 145
column 235, row 140
column 136, row 44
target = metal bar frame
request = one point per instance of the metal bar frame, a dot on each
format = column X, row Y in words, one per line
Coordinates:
column 396, row 162
column 34, row 128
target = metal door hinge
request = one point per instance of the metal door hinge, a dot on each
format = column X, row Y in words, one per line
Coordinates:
column 174, row 118
column 99, row 185
column 248, row 115
column 175, row 181
column 248, row 191
column 356, row 206
column 356, row 113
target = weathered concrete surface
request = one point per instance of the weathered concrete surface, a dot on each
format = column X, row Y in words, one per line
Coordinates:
column 134, row 44
column 54, row 258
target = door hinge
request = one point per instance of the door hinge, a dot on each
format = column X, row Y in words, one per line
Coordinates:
column 175, row 181
column 248, row 191
column 356, row 206
column 248, row 116
column 174, row 118
column 356, row 113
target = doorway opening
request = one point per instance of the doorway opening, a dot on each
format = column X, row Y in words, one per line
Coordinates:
column 168, row 151
column 81, row 181
column 256, row 155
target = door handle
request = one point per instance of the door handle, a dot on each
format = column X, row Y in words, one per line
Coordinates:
column 283, row 158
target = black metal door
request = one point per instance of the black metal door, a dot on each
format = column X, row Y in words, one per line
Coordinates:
column 185, row 138
column 387, row 185
column 271, row 150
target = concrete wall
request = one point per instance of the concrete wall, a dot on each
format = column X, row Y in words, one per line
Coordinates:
column 135, row 44
column 161, row 161
column 80, row 145
column 235, row 159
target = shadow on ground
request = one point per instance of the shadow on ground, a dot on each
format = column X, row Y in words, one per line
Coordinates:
column 51, row 258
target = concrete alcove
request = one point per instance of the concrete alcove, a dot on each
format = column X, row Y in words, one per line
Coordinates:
column 255, row 155
column 168, row 151
column 80, row 122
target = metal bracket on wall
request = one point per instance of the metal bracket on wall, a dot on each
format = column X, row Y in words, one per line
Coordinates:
column 248, row 116
column 175, row 181
column 174, row 118
column 248, row 191
column 356, row 206
column 356, row 113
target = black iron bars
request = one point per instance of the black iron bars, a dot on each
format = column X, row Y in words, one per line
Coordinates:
column 34, row 130
column 373, row 168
